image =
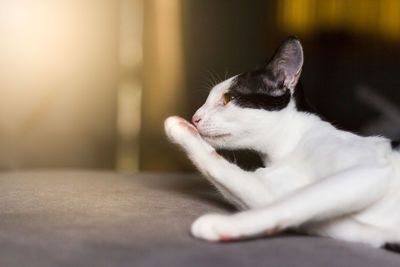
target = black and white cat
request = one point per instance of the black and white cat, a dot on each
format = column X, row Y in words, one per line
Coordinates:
column 318, row 179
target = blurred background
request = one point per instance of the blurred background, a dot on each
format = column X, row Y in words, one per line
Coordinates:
column 88, row 83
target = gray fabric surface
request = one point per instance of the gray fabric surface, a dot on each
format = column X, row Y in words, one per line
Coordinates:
column 82, row 218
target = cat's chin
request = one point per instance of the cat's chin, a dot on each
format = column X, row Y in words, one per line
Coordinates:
column 215, row 140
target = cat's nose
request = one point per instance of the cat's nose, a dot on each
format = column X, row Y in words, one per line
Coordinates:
column 196, row 119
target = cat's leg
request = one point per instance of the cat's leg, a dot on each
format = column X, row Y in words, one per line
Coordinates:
column 348, row 228
column 343, row 193
column 242, row 188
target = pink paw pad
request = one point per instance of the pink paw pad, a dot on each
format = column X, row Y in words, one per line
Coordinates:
column 215, row 154
column 273, row 230
column 189, row 127
column 182, row 123
column 227, row 238
column 192, row 130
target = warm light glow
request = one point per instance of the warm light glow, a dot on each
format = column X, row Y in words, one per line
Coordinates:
column 131, row 31
column 128, row 126
column 58, row 69
column 130, row 86
column 372, row 17
column 129, row 98
column 164, row 73
column 164, row 93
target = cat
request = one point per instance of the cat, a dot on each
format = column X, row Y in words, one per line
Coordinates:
column 318, row 179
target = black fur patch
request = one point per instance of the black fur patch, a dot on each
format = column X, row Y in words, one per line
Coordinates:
column 253, row 90
column 395, row 145
column 260, row 101
column 395, row 247
column 247, row 159
column 266, row 86
column 249, row 97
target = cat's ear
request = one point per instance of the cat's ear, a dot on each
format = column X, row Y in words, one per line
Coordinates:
column 286, row 64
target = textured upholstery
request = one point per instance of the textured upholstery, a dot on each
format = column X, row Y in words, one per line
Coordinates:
column 85, row 218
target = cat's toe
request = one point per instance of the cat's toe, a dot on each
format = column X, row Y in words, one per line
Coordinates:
column 170, row 122
column 172, row 128
column 214, row 227
column 177, row 128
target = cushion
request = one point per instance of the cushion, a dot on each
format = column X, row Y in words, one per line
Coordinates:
column 99, row 218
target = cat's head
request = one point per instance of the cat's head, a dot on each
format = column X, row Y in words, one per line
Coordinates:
column 239, row 110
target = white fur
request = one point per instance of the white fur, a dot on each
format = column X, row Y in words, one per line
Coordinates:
column 319, row 179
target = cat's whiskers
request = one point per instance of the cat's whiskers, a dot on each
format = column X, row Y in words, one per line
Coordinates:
column 214, row 78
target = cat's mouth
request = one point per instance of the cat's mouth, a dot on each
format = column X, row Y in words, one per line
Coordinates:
column 216, row 136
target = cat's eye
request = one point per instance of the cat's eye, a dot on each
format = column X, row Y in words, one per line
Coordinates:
column 227, row 98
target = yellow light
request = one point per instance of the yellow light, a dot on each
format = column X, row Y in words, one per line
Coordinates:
column 130, row 86
column 379, row 18
column 58, row 82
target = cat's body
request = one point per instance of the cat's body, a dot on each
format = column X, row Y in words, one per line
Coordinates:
column 317, row 178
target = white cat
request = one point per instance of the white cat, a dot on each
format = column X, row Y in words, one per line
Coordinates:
column 318, row 179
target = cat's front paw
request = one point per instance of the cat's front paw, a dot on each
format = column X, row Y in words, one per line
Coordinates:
column 178, row 129
column 215, row 227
